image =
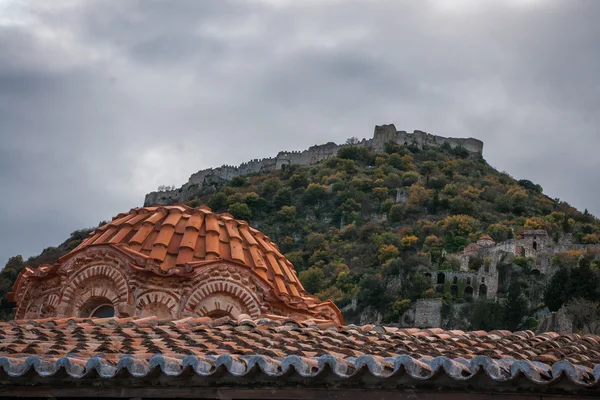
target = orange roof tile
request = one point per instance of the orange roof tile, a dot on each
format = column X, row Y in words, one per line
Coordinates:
column 504, row 356
column 174, row 236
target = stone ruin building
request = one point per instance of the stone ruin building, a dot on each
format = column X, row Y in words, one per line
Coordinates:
column 170, row 262
column 483, row 283
column 315, row 154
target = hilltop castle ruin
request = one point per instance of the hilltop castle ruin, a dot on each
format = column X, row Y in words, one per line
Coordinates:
column 315, row 154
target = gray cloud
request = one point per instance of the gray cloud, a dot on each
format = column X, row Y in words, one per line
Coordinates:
column 102, row 101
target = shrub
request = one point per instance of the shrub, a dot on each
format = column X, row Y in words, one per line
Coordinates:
column 239, row 181
column 240, row 211
column 287, row 213
column 298, row 181
column 315, row 193
column 387, row 252
column 313, row 279
column 218, row 202
column 409, row 178
column 396, row 213
column 270, row 186
column 283, row 197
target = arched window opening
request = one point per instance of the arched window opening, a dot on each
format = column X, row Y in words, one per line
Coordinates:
column 455, row 280
column 535, row 245
column 104, row 311
column 97, row 307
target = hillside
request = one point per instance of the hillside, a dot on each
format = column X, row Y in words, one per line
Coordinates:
column 368, row 229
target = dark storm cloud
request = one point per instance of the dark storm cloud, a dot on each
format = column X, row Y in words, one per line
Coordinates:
column 102, row 101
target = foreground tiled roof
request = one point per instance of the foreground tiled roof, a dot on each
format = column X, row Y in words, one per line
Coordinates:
column 221, row 348
column 177, row 236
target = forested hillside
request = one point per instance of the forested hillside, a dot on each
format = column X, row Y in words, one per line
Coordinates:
column 363, row 225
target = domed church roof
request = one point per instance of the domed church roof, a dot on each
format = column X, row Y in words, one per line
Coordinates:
column 486, row 238
column 180, row 236
column 170, row 261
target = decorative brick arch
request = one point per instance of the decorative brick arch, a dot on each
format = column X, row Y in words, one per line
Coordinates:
column 157, row 299
column 222, row 295
column 43, row 307
column 75, row 293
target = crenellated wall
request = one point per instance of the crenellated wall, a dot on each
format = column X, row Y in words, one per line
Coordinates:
column 314, row 155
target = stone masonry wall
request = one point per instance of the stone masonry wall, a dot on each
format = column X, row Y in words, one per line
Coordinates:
column 313, row 155
column 428, row 313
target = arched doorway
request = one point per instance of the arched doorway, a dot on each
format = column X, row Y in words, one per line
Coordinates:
column 468, row 295
column 454, row 290
column 441, row 278
column 482, row 291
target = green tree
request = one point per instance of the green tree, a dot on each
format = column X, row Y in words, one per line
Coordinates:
column 399, row 162
column 240, row 211
column 516, row 306
column 218, row 202
column 486, row 315
column 239, row 181
column 583, row 282
column 373, row 292
column 270, row 187
column 499, row 232
column 287, row 213
column 283, row 197
column 396, row 213
column 298, row 181
column 313, row 279
column 417, row 285
column 357, row 153
column 555, row 294
column 314, row 193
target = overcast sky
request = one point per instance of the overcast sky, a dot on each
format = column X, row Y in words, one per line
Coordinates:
column 102, row 101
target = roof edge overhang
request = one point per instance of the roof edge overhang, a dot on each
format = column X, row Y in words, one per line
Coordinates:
column 327, row 376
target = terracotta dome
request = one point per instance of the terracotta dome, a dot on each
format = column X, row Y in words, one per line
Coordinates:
column 180, row 237
column 486, row 238
column 193, row 245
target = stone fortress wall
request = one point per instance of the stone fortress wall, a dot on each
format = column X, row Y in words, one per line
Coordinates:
column 314, row 155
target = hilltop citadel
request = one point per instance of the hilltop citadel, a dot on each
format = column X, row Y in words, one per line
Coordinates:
column 314, row 155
